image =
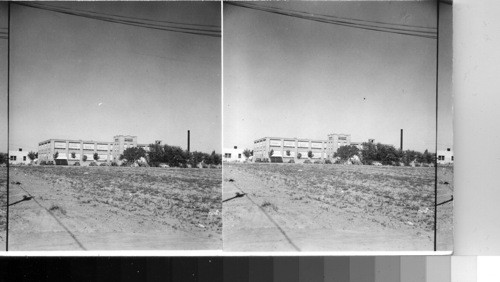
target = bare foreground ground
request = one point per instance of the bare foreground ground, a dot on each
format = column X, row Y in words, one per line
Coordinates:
column 3, row 207
column 114, row 208
column 292, row 207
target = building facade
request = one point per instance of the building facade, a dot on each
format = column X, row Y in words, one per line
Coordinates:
column 233, row 155
column 71, row 151
column 19, row 157
column 299, row 148
column 445, row 156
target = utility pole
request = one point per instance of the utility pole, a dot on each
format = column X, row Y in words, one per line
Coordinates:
column 401, row 143
column 188, row 141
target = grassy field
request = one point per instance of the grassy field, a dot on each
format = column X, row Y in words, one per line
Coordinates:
column 389, row 195
column 3, row 204
column 192, row 196
column 374, row 202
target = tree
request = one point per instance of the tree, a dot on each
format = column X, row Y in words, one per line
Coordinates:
column 84, row 158
column 288, row 153
column 346, row 152
column 73, row 155
column 387, row 154
column 133, row 154
column 56, row 155
column 4, row 158
column 299, row 155
column 310, row 154
column 196, row 158
column 32, row 155
column 369, row 152
column 428, row 157
column 214, row 158
column 247, row 153
column 96, row 157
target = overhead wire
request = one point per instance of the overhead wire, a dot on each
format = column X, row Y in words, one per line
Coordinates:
column 329, row 19
column 134, row 18
column 351, row 19
column 206, row 31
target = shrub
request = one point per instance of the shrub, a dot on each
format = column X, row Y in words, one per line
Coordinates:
column 76, row 164
column 92, row 164
column 43, row 163
column 84, row 158
column 271, row 153
column 124, row 164
column 104, row 164
column 276, row 159
column 327, row 161
column 317, row 162
column 346, row 152
column 247, row 153
column 310, row 154
column 114, row 164
column 307, row 162
column 291, row 161
column 133, row 154
column 50, row 163
column 299, row 156
column 32, row 155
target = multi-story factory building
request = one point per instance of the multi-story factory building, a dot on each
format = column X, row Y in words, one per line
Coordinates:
column 74, row 150
column 292, row 148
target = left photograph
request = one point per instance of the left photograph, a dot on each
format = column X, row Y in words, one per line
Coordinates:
column 114, row 126
column 4, row 37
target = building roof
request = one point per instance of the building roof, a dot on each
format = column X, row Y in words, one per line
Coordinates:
column 293, row 138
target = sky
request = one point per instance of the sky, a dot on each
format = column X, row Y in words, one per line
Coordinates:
column 3, row 79
column 79, row 78
column 290, row 77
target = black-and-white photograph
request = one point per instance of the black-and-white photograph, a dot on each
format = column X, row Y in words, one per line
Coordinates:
column 115, row 126
column 4, row 36
column 337, row 126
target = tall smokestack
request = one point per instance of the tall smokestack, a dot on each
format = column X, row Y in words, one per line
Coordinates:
column 188, row 140
column 401, row 145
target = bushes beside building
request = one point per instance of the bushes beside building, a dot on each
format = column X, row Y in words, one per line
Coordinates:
column 174, row 156
column 388, row 155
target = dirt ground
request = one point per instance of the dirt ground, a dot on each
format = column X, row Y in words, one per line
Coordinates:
column 114, row 208
column 309, row 207
column 3, row 207
column 445, row 211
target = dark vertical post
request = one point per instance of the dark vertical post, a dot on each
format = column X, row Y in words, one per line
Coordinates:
column 188, row 140
column 8, row 128
column 401, row 143
column 437, row 112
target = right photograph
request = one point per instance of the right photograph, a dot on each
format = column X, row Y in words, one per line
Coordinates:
column 337, row 126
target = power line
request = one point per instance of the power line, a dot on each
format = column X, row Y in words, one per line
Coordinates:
column 117, row 19
column 323, row 19
column 208, row 31
column 133, row 18
column 350, row 20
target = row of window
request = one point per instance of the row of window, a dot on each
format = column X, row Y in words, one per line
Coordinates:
column 228, row 156
column 14, row 158
column 441, row 158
